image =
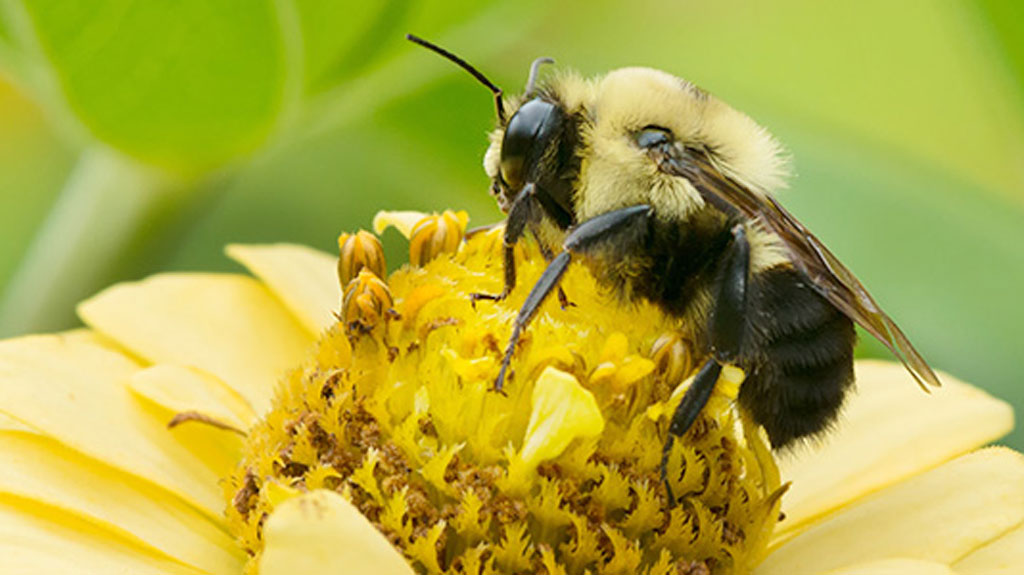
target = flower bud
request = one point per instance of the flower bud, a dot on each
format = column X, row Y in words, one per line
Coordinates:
column 436, row 234
column 366, row 301
column 357, row 251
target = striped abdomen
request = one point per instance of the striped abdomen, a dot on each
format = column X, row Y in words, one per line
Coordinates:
column 800, row 356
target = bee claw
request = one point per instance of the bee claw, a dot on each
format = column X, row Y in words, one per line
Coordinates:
column 563, row 300
column 499, row 382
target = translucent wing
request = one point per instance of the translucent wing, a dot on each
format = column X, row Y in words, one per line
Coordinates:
column 827, row 274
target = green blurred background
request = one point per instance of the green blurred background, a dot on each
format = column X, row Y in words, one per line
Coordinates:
column 143, row 136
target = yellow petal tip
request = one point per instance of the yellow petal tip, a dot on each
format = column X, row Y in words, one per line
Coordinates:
column 563, row 410
column 321, row 532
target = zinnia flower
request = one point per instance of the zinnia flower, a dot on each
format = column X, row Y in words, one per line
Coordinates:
column 321, row 430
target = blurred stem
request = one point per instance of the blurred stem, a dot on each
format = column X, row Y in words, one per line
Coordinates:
column 109, row 206
column 492, row 32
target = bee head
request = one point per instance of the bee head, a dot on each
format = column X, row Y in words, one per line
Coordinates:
column 534, row 146
column 537, row 146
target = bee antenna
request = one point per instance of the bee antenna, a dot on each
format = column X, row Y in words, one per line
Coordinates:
column 531, row 81
column 465, row 66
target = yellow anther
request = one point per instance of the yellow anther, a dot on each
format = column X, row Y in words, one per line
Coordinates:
column 673, row 359
column 435, row 235
column 357, row 251
column 367, row 300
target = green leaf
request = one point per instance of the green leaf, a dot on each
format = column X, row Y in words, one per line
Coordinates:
column 340, row 38
column 1005, row 19
column 5, row 33
column 186, row 84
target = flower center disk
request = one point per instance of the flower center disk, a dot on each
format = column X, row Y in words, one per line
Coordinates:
column 559, row 475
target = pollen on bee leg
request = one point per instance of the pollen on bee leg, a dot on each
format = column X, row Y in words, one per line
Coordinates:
column 366, row 302
column 357, row 251
column 729, row 381
column 435, row 235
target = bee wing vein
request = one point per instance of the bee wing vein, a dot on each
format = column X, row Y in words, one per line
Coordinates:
column 827, row 274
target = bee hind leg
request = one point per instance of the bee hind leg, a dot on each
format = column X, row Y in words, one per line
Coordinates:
column 726, row 330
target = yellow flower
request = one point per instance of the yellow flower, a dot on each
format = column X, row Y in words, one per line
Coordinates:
column 302, row 443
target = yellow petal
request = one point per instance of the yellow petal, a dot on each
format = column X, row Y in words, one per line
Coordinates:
column 73, row 389
column 43, row 541
column 228, row 325
column 306, row 280
column 1004, row 556
column 401, row 221
column 205, row 416
column 8, row 423
column 180, row 389
column 615, row 348
column 42, row 470
column 563, row 410
column 889, row 431
column 896, row 567
column 940, row 515
column 320, row 532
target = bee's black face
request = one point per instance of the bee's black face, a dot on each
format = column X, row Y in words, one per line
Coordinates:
column 526, row 137
column 537, row 149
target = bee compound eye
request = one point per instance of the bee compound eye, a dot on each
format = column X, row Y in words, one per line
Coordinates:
column 526, row 136
column 652, row 137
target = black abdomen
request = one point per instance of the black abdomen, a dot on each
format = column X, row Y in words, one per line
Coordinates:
column 800, row 360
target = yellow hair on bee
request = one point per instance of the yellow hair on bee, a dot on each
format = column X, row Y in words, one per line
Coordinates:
column 615, row 173
column 766, row 249
column 639, row 97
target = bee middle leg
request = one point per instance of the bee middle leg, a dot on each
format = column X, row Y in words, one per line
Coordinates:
column 623, row 227
column 563, row 300
column 726, row 330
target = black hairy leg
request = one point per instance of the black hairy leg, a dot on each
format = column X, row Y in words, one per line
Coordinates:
column 563, row 300
column 523, row 212
column 726, row 335
column 620, row 226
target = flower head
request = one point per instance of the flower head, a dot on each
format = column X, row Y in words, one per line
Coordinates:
column 560, row 473
column 376, row 446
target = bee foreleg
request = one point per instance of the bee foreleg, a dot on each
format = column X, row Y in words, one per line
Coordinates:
column 522, row 212
column 548, row 280
column 726, row 330
column 616, row 226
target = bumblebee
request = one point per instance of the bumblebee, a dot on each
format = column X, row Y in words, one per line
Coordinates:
column 665, row 192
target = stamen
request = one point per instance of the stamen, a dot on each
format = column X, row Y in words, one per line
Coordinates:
column 357, row 251
column 673, row 358
column 435, row 235
column 366, row 302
